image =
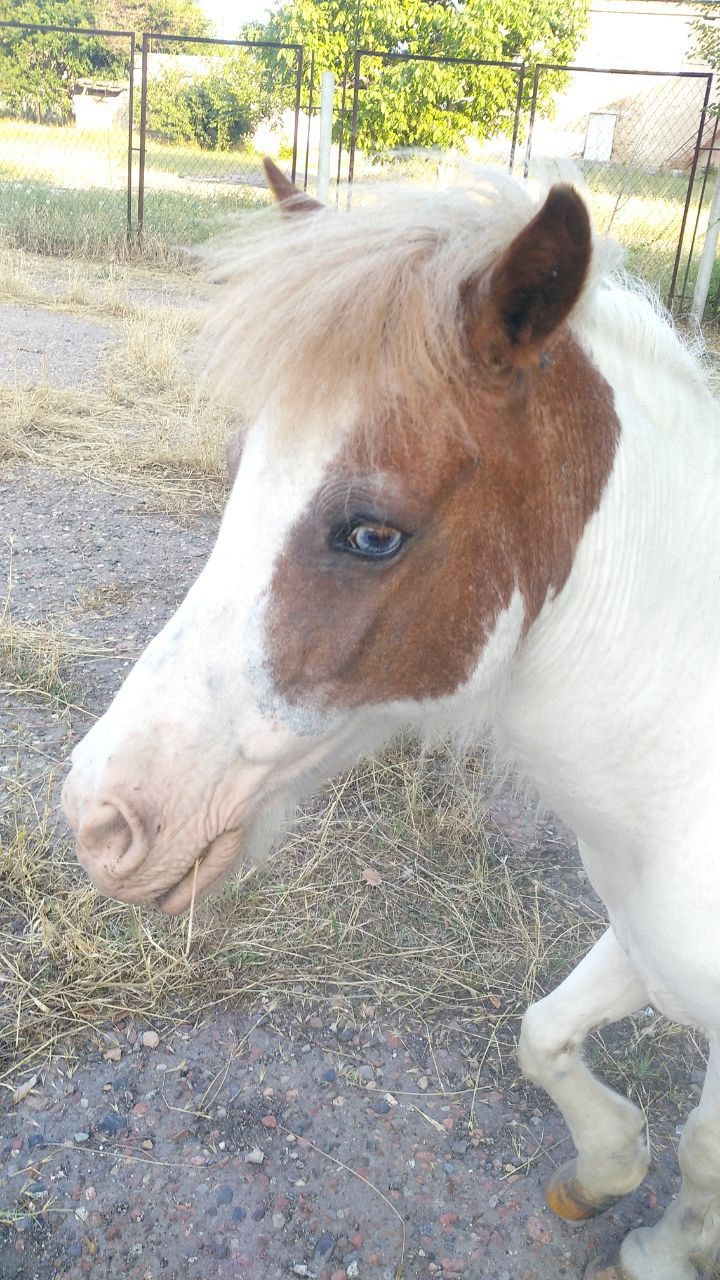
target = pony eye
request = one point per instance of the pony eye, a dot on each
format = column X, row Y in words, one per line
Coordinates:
column 373, row 541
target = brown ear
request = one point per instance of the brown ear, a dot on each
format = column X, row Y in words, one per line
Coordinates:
column 286, row 193
column 535, row 284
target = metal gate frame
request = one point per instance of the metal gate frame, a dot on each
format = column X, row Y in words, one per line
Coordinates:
column 42, row 27
column 160, row 37
column 707, row 76
column 358, row 54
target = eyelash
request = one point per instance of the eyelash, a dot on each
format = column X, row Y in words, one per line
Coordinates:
column 342, row 539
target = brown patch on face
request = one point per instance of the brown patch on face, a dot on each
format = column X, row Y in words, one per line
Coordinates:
column 483, row 520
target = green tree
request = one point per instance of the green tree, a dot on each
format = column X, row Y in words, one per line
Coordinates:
column 39, row 70
column 410, row 103
column 706, row 36
column 216, row 109
column 165, row 17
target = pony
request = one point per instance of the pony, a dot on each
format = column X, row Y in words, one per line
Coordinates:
column 476, row 490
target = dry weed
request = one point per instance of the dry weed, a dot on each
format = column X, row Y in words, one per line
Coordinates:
column 147, row 425
column 444, row 929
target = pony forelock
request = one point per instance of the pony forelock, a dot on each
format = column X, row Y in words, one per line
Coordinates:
column 366, row 306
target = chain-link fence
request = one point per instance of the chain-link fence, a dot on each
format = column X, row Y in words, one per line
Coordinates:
column 404, row 104
column 66, row 104
column 637, row 137
column 209, row 111
column 103, row 145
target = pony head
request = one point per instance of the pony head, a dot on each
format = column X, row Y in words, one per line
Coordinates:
column 423, row 443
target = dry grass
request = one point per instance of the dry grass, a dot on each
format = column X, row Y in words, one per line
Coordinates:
column 107, row 291
column 446, row 929
column 449, row 928
column 34, row 658
column 146, row 424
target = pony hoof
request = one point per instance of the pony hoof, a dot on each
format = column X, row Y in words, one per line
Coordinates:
column 606, row 1268
column 565, row 1196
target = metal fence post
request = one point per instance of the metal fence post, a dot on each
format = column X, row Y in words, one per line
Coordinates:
column 131, row 96
column 298, row 92
column 688, row 198
column 327, row 90
column 143, row 137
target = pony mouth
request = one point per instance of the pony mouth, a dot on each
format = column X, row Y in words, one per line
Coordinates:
column 210, row 868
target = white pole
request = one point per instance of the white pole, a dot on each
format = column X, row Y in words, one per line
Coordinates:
column 327, row 88
column 707, row 257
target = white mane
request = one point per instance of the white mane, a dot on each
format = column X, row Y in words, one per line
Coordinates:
column 369, row 304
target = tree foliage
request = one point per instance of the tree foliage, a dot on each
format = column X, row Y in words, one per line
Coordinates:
column 39, row 70
column 164, row 17
column 706, row 36
column 217, row 109
column 414, row 103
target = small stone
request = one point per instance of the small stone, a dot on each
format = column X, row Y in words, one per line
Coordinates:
column 111, row 1123
column 324, row 1247
column 150, row 1039
column 225, row 1193
column 147, row 1145
column 352, row 1270
column 256, row 1156
column 22, row 1224
column 537, row 1230
column 329, row 1076
column 269, row 1122
column 81, row 1136
column 36, row 1140
column 239, row 1214
column 113, row 1055
column 423, row 1082
column 278, row 1221
column 259, row 1213
column 366, row 1072
column 381, row 1107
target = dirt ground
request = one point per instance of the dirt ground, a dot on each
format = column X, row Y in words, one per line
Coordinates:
column 312, row 1137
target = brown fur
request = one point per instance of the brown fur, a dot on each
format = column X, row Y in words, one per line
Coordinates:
column 345, row 632
column 363, row 307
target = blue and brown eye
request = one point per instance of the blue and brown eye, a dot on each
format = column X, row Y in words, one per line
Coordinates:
column 370, row 540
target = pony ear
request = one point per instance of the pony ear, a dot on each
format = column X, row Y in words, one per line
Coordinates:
column 535, row 283
column 286, row 193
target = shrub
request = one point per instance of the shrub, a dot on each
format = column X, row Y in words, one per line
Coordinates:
column 217, row 109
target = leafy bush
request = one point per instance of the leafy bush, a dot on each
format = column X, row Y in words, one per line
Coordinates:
column 217, row 109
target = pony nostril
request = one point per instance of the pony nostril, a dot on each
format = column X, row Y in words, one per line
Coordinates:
column 110, row 832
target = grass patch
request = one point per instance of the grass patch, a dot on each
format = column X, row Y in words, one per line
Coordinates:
column 449, row 928
column 34, row 659
column 446, row 928
column 147, row 423
column 64, row 191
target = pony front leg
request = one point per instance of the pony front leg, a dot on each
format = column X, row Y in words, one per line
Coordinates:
column 608, row 1130
column 690, row 1229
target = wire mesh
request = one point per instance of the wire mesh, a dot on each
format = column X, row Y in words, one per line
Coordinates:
column 637, row 138
column 209, row 110
column 406, row 109
column 65, row 107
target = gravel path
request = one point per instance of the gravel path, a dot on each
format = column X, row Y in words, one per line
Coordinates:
column 301, row 1147
column 47, row 346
